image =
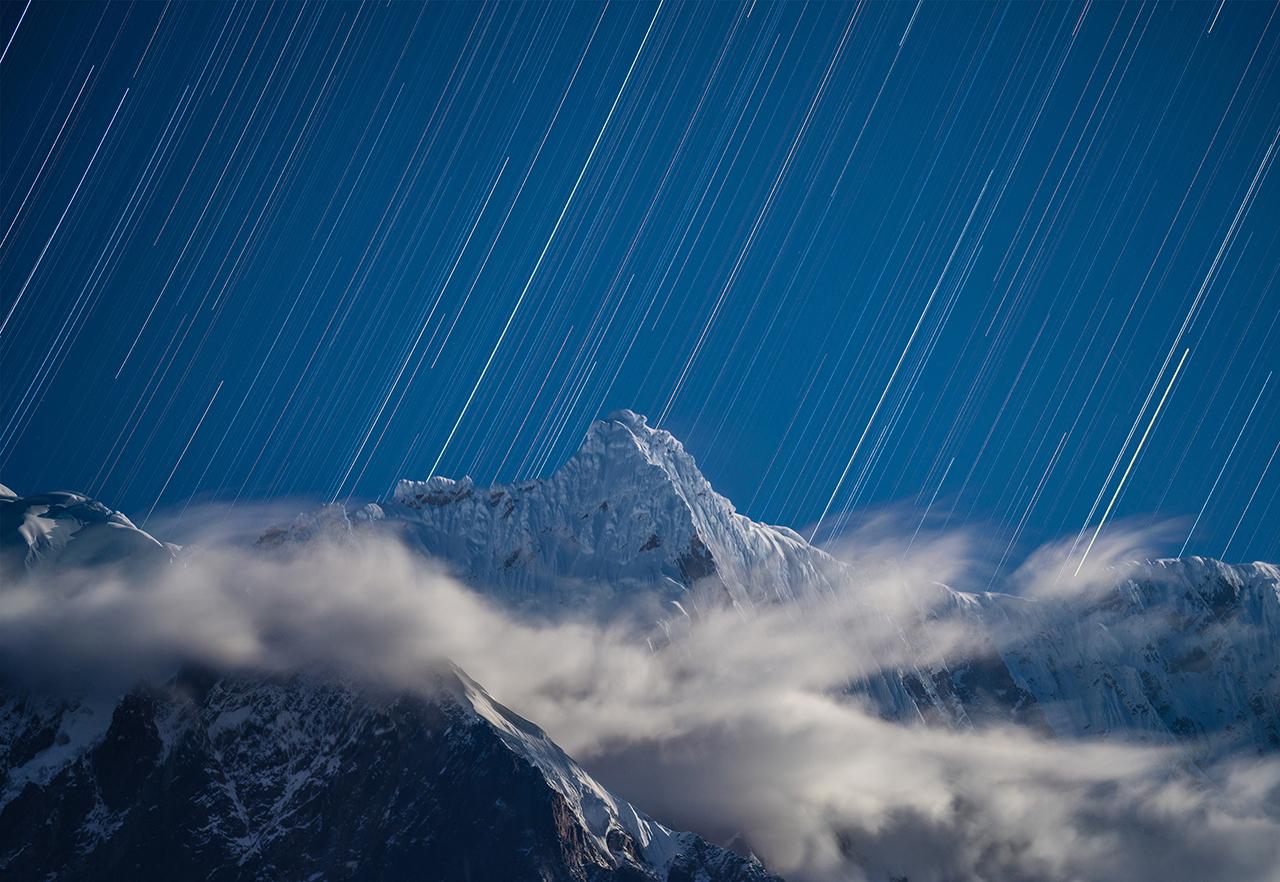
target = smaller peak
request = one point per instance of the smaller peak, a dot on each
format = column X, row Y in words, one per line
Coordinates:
column 436, row 490
column 368, row 513
column 435, row 482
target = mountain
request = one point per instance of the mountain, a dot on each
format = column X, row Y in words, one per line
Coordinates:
column 628, row 513
column 72, row 530
column 1171, row 650
column 233, row 776
column 311, row 777
column 627, row 527
column 245, row 778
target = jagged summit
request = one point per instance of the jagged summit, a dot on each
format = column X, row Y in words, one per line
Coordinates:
column 627, row 417
column 630, row 508
column 615, row 446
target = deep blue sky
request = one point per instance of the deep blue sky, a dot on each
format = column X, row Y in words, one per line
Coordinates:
column 853, row 256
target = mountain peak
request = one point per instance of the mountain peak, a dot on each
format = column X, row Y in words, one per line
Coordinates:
column 618, row 452
column 630, row 514
column 624, row 442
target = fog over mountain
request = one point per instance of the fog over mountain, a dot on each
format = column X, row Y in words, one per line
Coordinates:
column 305, row 703
column 648, row 441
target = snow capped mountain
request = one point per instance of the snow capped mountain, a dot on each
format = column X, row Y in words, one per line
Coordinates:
column 629, row 512
column 1173, row 649
column 72, row 530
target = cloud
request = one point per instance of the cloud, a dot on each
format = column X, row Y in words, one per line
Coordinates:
column 1078, row 568
column 825, row 791
column 731, row 723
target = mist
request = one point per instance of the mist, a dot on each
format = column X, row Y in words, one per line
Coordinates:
column 737, row 724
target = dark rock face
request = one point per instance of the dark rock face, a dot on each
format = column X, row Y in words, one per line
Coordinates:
column 978, row 691
column 231, row 779
column 696, row 563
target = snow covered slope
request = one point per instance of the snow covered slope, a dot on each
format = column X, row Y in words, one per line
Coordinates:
column 1175, row 649
column 70, row 529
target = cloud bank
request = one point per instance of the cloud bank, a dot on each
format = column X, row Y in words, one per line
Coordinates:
column 732, row 724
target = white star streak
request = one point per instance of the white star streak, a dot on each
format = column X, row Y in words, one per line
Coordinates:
column 52, row 146
column 910, row 23
column 217, row 186
column 181, row 455
column 1225, row 463
column 63, row 217
column 848, row 465
column 932, row 500
column 1241, row 211
column 408, row 356
column 1215, row 17
column 21, row 18
column 1245, row 511
column 1137, row 450
column 871, row 419
column 550, row 239
column 760, row 217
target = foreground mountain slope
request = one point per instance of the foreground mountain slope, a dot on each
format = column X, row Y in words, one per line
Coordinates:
column 240, row 778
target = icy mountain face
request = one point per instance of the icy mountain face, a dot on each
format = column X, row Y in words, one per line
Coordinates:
column 1173, row 651
column 1186, row 648
column 243, row 778
column 629, row 515
column 69, row 529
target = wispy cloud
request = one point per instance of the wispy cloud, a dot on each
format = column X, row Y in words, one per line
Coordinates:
column 737, row 724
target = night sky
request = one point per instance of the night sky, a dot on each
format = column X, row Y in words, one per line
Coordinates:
column 1005, row 266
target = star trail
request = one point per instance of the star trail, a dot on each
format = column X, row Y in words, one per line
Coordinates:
column 1010, row 266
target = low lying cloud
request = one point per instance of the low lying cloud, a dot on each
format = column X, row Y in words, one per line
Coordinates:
column 730, row 723
column 826, row 791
